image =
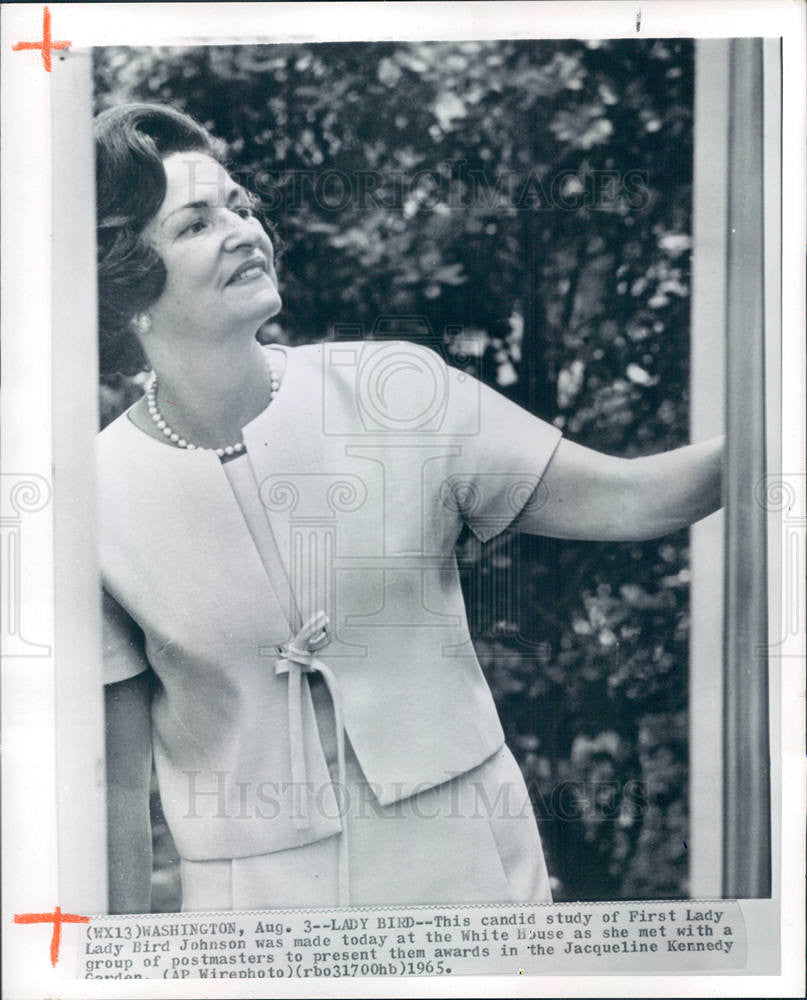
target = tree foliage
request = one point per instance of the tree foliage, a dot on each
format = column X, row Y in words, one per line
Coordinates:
column 527, row 203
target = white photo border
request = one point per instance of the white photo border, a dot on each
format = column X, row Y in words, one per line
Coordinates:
column 31, row 854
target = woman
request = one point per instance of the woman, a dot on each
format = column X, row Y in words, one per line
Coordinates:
column 284, row 626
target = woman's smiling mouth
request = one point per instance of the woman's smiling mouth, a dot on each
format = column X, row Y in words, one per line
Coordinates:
column 248, row 271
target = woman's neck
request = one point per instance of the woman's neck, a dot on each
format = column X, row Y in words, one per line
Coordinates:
column 208, row 395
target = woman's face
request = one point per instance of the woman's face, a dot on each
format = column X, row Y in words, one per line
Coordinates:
column 218, row 258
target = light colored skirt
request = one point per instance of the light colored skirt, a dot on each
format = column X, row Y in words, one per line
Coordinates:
column 469, row 840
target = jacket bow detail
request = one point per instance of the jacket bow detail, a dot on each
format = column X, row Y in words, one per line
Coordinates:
column 297, row 658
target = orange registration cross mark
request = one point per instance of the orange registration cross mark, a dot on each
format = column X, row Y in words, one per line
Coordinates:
column 57, row 918
column 47, row 44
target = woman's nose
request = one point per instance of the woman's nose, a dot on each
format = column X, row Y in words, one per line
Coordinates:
column 239, row 231
column 247, row 231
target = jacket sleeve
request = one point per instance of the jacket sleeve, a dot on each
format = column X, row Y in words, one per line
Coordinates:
column 502, row 452
column 123, row 643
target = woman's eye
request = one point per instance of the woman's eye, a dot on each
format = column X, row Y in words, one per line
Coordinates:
column 245, row 211
column 197, row 226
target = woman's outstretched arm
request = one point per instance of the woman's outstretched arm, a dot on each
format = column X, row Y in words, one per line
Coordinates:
column 128, row 763
column 587, row 495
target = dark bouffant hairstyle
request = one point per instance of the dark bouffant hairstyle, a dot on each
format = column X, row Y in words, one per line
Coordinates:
column 131, row 142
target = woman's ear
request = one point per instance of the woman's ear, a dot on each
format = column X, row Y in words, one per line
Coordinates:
column 141, row 324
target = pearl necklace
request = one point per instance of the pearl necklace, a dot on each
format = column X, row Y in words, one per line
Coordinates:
column 181, row 442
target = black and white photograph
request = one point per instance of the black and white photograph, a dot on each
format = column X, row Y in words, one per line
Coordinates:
column 424, row 543
column 478, row 329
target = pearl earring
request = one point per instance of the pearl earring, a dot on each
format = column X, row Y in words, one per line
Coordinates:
column 142, row 323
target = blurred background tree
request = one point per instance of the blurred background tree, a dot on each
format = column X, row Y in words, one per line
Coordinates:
column 524, row 207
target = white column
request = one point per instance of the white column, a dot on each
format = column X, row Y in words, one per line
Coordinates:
column 707, row 403
column 746, row 861
column 784, row 525
column 81, row 799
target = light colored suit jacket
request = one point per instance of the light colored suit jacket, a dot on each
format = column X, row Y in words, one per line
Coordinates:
column 366, row 466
